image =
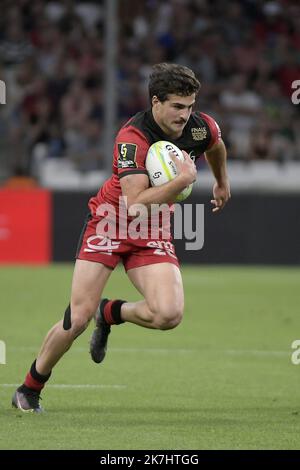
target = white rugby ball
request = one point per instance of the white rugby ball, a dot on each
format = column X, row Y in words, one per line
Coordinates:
column 161, row 168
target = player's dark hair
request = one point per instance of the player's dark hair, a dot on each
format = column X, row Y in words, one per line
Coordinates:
column 174, row 79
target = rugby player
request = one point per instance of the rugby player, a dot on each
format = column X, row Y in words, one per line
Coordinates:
column 151, row 264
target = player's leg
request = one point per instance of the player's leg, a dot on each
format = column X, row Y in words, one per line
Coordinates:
column 161, row 286
column 89, row 280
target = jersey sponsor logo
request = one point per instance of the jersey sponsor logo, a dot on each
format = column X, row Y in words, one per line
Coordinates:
column 126, row 164
column 199, row 133
column 127, row 155
column 98, row 243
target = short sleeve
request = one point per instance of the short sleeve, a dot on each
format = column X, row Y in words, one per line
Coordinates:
column 214, row 130
column 131, row 148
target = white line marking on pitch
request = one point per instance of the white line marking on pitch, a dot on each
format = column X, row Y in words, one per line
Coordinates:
column 118, row 350
column 62, row 386
column 252, row 352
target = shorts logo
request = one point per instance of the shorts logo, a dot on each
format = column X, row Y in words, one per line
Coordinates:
column 98, row 243
column 127, row 155
column 162, row 248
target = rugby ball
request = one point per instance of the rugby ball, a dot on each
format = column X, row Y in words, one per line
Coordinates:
column 161, row 168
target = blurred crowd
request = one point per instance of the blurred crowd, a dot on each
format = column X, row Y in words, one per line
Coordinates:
column 246, row 54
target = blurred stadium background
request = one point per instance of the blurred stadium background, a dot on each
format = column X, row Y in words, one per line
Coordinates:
column 74, row 72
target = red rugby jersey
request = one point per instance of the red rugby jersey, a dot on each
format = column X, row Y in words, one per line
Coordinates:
column 133, row 141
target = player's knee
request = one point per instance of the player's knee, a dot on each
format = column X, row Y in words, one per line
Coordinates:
column 78, row 326
column 169, row 318
column 79, row 318
column 168, row 323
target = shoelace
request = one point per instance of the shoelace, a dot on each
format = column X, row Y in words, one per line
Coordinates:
column 34, row 397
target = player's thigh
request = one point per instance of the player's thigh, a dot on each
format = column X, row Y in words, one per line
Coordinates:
column 161, row 286
column 89, row 279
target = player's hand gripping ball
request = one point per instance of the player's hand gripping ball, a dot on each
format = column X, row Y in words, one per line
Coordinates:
column 162, row 169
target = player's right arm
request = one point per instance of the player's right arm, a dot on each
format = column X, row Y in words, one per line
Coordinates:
column 137, row 191
column 132, row 148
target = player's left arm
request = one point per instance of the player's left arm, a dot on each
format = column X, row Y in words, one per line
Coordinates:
column 216, row 157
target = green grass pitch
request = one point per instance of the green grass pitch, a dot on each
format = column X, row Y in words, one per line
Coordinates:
column 222, row 380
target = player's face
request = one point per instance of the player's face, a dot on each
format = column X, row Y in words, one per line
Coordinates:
column 172, row 115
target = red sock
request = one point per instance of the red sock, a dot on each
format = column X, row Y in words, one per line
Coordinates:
column 30, row 382
column 112, row 312
column 35, row 380
column 107, row 313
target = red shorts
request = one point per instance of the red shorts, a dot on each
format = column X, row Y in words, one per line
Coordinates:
column 133, row 253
